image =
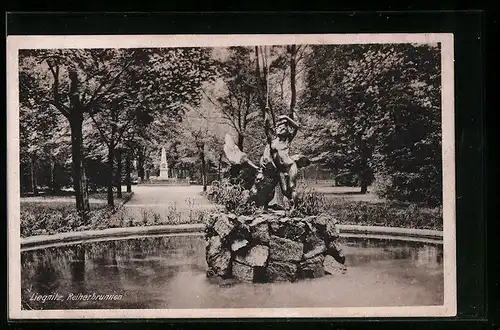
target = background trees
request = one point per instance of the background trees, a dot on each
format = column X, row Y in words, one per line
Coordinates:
column 120, row 90
column 382, row 109
column 372, row 110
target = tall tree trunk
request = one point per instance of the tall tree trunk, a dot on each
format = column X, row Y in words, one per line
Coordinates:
column 262, row 86
column 219, row 168
column 365, row 171
column 79, row 182
column 109, row 181
column 54, row 183
column 364, row 180
column 241, row 139
column 140, row 166
column 203, row 170
column 34, row 185
column 293, row 74
column 119, row 174
column 128, row 170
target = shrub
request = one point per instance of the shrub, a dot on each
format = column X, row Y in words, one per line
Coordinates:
column 388, row 214
column 232, row 196
column 310, row 202
column 51, row 218
column 410, row 187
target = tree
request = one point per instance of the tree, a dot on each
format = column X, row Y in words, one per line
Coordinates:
column 43, row 133
column 372, row 97
column 202, row 132
column 116, row 88
column 172, row 80
column 236, row 99
column 73, row 81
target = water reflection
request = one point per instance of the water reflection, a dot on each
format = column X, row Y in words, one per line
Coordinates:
column 77, row 263
column 371, row 251
column 169, row 272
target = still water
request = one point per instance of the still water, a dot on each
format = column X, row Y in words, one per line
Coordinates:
column 169, row 272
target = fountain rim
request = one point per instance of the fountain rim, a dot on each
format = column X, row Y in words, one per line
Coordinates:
column 110, row 234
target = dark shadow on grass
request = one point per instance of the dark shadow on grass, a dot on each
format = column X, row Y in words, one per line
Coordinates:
column 48, row 193
column 93, row 195
column 343, row 193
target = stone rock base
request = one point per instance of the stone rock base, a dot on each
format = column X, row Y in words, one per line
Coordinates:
column 272, row 247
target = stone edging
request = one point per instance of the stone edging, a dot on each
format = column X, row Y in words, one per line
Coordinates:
column 82, row 236
column 40, row 241
column 391, row 231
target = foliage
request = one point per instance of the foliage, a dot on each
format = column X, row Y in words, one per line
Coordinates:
column 387, row 214
column 233, row 197
column 236, row 95
column 44, row 218
column 47, row 218
column 50, row 218
column 115, row 94
column 310, row 202
column 377, row 111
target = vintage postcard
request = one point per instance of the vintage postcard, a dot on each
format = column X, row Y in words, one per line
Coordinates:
column 231, row 176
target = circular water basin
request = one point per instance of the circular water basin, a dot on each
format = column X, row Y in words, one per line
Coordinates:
column 168, row 272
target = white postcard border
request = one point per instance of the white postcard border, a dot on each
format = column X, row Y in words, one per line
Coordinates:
column 14, row 43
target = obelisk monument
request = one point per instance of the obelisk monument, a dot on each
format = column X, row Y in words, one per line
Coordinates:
column 163, row 164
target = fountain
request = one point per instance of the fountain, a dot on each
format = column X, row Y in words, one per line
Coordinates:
column 271, row 245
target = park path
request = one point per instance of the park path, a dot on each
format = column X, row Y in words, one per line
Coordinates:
column 167, row 200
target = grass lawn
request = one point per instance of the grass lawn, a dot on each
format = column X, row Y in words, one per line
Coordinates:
column 351, row 207
column 69, row 197
column 385, row 213
column 55, row 214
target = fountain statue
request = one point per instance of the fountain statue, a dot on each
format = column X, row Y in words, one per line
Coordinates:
column 270, row 245
column 277, row 166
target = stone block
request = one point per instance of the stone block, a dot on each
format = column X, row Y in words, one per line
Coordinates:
column 223, row 226
column 257, row 221
column 260, row 233
column 283, row 249
column 336, row 251
column 294, row 230
column 311, row 268
column 321, row 221
column 332, row 267
column 331, row 230
column 313, row 244
column 317, row 247
column 287, row 228
column 218, row 258
column 256, row 256
column 278, row 271
column 242, row 272
column 245, row 219
column 239, row 244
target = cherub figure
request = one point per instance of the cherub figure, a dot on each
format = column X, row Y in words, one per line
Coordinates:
column 277, row 152
column 276, row 165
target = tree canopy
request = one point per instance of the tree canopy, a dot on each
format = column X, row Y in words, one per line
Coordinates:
column 369, row 109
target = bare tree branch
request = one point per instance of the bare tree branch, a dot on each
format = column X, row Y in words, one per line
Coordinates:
column 210, row 100
column 101, row 132
column 112, row 82
column 57, row 103
column 123, row 129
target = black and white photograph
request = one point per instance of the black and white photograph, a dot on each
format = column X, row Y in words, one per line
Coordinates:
column 196, row 176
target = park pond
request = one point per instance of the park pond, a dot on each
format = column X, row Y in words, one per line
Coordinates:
column 166, row 272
